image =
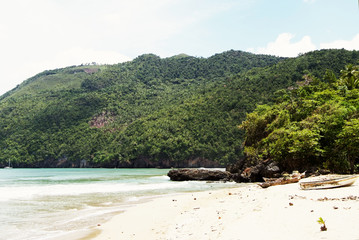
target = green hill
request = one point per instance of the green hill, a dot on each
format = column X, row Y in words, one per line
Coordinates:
column 178, row 111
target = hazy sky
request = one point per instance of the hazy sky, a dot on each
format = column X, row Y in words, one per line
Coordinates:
column 38, row 35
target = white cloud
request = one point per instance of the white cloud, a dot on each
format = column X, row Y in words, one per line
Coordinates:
column 41, row 34
column 352, row 44
column 78, row 55
column 75, row 56
column 139, row 23
column 283, row 46
column 18, row 71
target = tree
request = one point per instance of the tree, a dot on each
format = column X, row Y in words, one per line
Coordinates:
column 350, row 76
column 315, row 126
column 348, row 142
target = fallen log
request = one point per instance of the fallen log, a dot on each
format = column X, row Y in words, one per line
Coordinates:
column 292, row 178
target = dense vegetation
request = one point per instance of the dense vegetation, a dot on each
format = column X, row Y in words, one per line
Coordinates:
column 150, row 111
column 315, row 124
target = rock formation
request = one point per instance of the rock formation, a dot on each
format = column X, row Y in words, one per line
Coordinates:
column 242, row 172
column 198, row 175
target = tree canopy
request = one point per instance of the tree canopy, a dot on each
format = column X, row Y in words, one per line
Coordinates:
column 158, row 111
column 312, row 125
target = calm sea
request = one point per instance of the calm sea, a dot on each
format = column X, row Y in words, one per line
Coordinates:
column 48, row 203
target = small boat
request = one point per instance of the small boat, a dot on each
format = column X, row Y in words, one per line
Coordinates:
column 325, row 182
column 9, row 166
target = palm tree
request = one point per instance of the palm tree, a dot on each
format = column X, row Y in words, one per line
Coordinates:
column 350, row 76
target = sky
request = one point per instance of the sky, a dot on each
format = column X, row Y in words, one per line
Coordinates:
column 40, row 35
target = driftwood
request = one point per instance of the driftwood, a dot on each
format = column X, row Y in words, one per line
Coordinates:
column 292, row 178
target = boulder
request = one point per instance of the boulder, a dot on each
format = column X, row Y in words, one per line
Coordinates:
column 255, row 173
column 236, row 167
column 271, row 170
column 198, row 175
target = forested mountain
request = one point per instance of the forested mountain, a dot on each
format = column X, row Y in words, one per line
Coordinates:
column 148, row 112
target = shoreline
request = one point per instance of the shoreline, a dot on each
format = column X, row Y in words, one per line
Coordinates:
column 243, row 212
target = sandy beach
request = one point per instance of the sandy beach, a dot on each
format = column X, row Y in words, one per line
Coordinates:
column 250, row 212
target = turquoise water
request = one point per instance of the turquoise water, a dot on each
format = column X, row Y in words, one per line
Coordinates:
column 47, row 203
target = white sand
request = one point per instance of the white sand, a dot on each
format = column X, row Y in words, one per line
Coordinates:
column 240, row 213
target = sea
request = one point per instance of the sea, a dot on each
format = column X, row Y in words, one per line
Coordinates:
column 55, row 203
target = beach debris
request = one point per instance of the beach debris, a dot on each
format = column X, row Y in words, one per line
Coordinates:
column 322, row 223
column 296, row 197
column 291, row 204
column 335, row 207
column 351, row 197
column 287, row 178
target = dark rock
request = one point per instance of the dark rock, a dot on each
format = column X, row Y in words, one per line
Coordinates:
column 315, row 171
column 272, row 170
column 324, row 171
column 198, row 175
column 237, row 177
column 236, row 167
column 252, row 174
column 256, row 173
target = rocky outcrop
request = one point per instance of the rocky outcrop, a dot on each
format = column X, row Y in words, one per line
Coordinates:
column 101, row 120
column 238, row 172
column 241, row 172
column 198, row 175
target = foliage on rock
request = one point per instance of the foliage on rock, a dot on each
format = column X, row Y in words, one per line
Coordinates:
column 314, row 125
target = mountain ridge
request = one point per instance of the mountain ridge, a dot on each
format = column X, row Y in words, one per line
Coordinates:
column 147, row 112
